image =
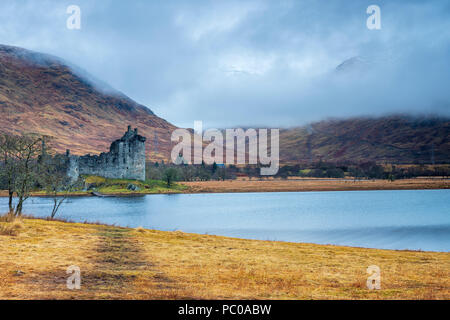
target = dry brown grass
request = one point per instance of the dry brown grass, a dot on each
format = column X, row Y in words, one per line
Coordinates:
column 121, row 263
column 8, row 217
column 276, row 185
column 11, row 225
column 140, row 229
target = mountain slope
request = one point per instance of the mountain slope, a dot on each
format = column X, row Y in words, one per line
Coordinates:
column 43, row 94
column 401, row 139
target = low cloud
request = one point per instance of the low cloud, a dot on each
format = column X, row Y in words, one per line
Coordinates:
column 256, row 64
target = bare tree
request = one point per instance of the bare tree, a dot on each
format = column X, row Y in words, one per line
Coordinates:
column 8, row 145
column 58, row 186
column 26, row 152
column 55, row 181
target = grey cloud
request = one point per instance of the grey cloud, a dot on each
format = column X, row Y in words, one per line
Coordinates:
column 256, row 63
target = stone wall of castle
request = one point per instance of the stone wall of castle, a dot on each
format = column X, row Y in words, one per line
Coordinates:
column 125, row 160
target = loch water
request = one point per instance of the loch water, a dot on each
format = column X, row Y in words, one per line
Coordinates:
column 398, row 219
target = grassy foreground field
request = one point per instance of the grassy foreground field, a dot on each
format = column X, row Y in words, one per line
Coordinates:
column 121, row 263
column 277, row 185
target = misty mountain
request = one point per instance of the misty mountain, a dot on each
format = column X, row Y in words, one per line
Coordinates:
column 46, row 95
column 391, row 139
column 43, row 94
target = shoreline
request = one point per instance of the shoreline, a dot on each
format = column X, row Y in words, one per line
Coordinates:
column 98, row 223
column 313, row 185
column 275, row 185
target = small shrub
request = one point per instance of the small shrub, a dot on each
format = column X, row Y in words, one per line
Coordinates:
column 8, row 217
column 11, row 226
column 140, row 229
column 8, row 230
column 17, row 225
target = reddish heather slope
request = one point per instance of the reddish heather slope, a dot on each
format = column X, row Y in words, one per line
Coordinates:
column 42, row 94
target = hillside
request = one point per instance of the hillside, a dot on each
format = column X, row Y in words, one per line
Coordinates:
column 394, row 139
column 43, row 94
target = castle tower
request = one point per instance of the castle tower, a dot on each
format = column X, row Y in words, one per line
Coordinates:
column 125, row 159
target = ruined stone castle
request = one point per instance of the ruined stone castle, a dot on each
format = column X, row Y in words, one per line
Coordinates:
column 125, row 160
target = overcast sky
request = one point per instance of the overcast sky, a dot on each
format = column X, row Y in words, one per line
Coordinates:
column 250, row 63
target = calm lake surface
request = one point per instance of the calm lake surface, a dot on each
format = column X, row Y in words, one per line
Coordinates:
column 406, row 219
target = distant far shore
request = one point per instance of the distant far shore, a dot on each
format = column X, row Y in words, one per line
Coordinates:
column 308, row 184
column 279, row 185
